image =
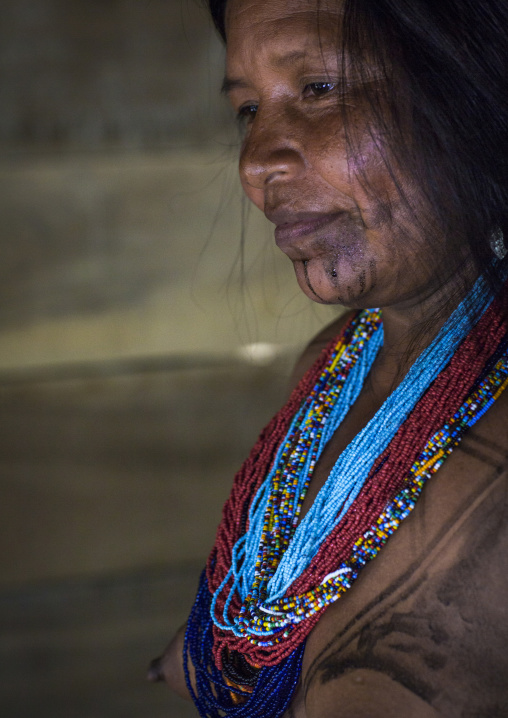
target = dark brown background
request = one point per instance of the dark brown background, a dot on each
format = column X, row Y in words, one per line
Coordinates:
column 136, row 366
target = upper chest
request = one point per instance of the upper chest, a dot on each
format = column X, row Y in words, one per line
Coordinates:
column 431, row 611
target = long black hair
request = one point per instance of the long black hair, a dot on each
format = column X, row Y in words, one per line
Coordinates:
column 446, row 69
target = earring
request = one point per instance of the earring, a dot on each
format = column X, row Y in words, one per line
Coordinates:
column 497, row 243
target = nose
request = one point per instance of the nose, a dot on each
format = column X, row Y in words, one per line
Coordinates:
column 271, row 152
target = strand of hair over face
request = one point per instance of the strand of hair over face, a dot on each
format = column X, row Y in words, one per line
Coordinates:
column 442, row 109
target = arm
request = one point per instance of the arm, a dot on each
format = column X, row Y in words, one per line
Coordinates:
column 169, row 666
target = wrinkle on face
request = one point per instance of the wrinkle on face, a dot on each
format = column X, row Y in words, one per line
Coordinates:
column 296, row 157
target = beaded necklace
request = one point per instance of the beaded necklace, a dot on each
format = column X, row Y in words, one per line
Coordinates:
column 266, row 560
column 270, row 628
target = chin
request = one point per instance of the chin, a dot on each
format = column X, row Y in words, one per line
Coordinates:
column 326, row 283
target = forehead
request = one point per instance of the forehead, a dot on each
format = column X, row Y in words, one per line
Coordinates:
column 303, row 22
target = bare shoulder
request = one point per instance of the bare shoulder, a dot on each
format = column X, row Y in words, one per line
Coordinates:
column 423, row 632
column 316, row 346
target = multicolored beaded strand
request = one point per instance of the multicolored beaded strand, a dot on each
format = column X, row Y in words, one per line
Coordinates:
column 276, row 548
column 262, row 699
column 287, row 612
column 270, row 631
column 258, row 555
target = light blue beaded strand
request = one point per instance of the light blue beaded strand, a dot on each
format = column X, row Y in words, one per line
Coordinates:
column 368, row 335
column 339, row 409
column 353, row 465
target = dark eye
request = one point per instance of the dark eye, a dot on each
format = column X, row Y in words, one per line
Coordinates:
column 318, row 89
column 246, row 114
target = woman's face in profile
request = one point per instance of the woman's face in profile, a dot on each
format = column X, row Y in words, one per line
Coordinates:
column 341, row 221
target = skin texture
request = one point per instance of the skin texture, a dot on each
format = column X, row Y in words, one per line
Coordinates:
column 281, row 77
column 423, row 631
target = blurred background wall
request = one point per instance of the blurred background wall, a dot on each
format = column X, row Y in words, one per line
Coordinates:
column 140, row 350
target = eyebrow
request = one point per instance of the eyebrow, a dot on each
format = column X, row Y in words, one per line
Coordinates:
column 289, row 58
column 232, row 83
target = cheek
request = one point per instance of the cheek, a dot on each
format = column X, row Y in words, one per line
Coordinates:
column 327, row 158
column 364, row 174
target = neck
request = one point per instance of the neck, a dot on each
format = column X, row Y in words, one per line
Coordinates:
column 410, row 327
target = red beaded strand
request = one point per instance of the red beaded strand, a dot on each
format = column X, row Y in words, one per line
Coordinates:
column 443, row 398
column 253, row 471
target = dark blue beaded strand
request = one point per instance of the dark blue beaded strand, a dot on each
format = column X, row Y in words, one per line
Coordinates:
column 213, row 697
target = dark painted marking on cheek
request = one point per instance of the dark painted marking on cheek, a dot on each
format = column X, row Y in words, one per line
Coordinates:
column 363, row 281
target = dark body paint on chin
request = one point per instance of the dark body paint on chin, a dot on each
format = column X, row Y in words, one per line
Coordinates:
column 307, row 281
column 347, row 247
column 362, row 281
column 373, row 273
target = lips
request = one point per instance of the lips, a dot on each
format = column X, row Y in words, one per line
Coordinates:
column 292, row 226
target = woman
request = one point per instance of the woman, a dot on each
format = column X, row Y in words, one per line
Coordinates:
column 376, row 142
